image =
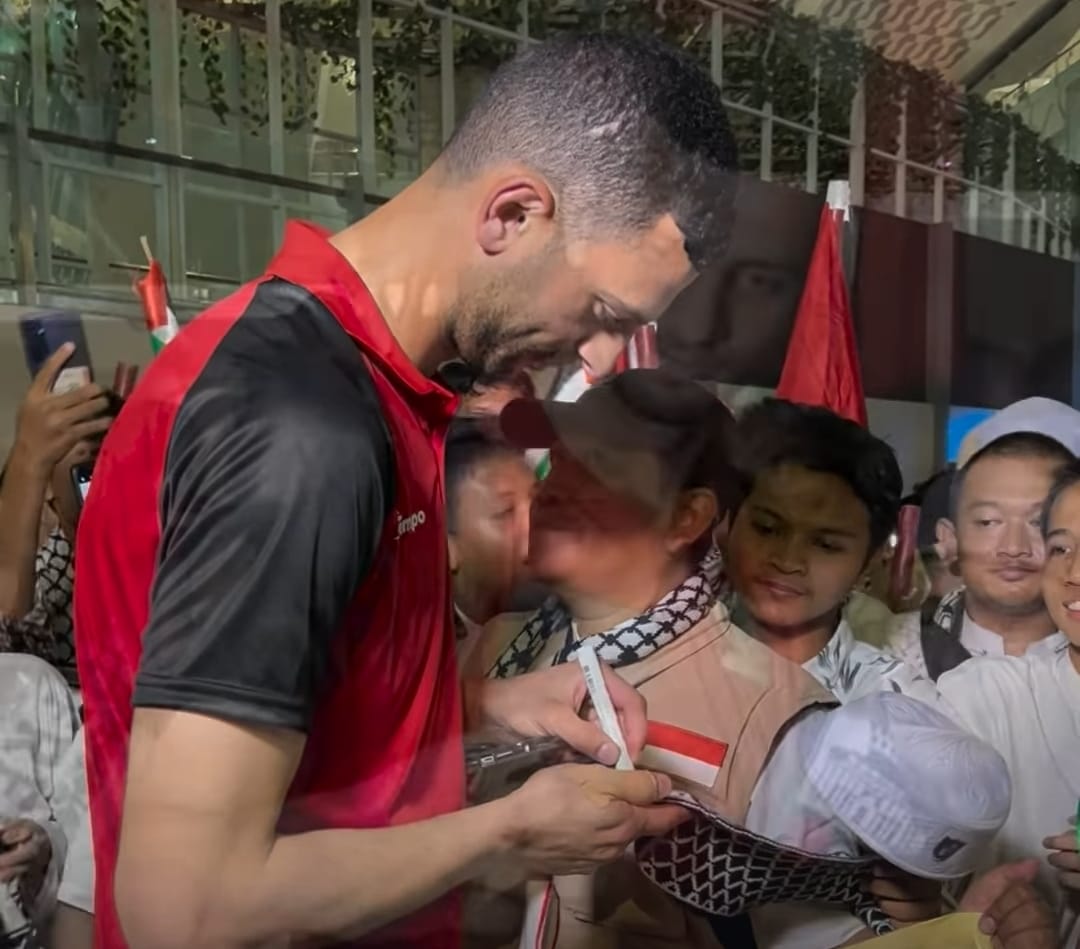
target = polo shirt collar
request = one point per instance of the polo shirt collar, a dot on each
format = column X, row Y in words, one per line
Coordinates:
column 308, row 259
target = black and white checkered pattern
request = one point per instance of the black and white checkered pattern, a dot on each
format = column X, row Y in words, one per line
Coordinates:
column 678, row 612
column 726, row 870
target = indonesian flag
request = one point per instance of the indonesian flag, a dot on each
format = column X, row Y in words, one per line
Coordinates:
column 153, row 291
column 682, row 754
column 822, row 363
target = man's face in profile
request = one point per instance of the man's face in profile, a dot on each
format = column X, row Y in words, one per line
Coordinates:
column 732, row 324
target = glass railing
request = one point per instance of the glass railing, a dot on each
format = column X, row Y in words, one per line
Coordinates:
column 192, row 154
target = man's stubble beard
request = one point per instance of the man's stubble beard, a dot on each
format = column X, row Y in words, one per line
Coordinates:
column 487, row 329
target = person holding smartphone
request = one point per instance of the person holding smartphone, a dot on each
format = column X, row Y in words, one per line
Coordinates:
column 54, row 431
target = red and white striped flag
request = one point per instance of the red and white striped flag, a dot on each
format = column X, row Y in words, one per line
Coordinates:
column 682, row 754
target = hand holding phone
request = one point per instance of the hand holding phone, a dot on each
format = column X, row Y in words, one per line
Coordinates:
column 50, row 424
column 502, row 764
column 44, row 334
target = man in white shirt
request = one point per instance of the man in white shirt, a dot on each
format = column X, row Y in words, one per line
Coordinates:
column 38, row 720
column 1028, row 708
column 1006, row 467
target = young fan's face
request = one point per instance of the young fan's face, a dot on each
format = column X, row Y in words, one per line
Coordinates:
column 1061, row 575
column 489, row 545
column 797, row 547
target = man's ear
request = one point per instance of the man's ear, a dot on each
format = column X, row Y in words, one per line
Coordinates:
column 945, row 543
column 512, row 208
column 694, row 515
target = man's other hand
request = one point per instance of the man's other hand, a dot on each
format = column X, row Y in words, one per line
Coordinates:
column 550, row 703
column 572, row 818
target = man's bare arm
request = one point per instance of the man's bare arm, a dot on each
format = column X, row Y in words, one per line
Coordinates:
column 201, row 864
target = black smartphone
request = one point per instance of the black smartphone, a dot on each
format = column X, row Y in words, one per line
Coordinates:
column 80, row 480
column 496, row 767
column 44, row 333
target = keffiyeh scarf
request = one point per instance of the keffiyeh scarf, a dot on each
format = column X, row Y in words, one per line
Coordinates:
column 628, row 642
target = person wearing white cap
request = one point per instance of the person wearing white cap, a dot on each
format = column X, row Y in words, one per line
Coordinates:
column 884, row 773
column 1004, row 470
column 1028, row 708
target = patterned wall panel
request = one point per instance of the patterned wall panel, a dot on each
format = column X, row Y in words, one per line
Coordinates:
column 930, row 34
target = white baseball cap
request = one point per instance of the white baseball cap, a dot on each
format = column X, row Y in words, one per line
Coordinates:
column 1035, row 416
column 915, row 788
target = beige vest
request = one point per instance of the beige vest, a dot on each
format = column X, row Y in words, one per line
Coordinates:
column 717, row 682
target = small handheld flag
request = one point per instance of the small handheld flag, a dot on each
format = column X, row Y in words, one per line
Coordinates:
column 153, row 291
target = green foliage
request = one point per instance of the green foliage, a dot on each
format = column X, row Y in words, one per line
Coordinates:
column 801, row 68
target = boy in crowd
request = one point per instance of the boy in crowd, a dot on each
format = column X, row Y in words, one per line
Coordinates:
column 489, row 489
column 1028, row 707
column 1006, row 468
column 822, row 497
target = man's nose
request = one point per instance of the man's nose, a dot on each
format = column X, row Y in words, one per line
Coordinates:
column 600, row 352
column 1018, row 540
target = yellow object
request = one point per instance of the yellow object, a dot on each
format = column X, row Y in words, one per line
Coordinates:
column 955, row 931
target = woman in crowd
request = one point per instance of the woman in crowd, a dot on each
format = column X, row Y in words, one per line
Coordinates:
column 621, row 529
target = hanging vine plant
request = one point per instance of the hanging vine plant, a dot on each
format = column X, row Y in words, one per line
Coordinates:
column 772, row 59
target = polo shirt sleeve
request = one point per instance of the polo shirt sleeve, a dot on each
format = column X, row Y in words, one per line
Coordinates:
column 272, row 505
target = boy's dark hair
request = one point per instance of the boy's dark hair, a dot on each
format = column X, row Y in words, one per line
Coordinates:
column 1030, row 445
column 625, row 129
column 470, row 443
column 1067, row 477
column 775, row 432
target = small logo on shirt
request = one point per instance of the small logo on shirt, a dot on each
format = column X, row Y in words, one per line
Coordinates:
column 409, row 523
column 948, row 847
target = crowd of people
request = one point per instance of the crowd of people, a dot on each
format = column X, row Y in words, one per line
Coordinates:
column 310, row 578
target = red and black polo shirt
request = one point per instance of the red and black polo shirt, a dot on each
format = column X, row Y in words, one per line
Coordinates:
column 264, row 542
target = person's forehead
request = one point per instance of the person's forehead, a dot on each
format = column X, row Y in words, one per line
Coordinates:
column 1005, row 479
column 814, row 500
column 1065, row 514
column 506, row 470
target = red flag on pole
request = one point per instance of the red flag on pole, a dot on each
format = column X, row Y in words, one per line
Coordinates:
column 822, row 363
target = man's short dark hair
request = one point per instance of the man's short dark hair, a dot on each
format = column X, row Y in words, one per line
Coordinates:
column 1068, row 477
column 625, row 128
column 774, row 433
column 1029, row 445
column 470, row 443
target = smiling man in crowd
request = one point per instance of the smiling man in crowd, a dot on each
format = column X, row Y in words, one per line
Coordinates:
column 993, row 537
